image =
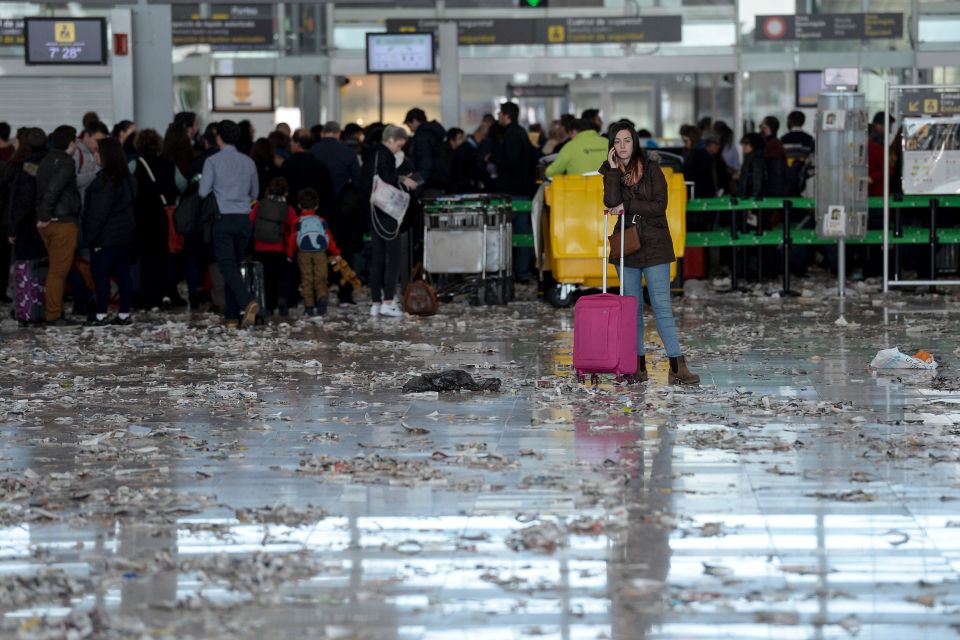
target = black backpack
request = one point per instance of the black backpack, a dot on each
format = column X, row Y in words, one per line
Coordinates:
column 268, row 225
column 186, row 217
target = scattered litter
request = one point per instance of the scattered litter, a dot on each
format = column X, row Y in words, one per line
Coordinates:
column 546, row 537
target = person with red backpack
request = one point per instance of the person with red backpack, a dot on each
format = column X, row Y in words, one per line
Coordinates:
column 312, row 243
column 274, row 223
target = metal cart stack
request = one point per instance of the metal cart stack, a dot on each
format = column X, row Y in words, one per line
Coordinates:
column 468, row 246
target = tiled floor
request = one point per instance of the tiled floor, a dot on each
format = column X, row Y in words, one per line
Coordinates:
column 170, row 480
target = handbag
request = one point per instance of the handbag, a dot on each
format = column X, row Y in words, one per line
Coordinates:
column 419, row 296
column 388, row 199
column 630, row 241
column 174, row 239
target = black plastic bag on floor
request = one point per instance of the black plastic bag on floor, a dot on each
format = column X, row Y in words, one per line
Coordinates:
column 453, row 380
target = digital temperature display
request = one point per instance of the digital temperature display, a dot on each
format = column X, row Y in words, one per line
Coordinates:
column 65, row 40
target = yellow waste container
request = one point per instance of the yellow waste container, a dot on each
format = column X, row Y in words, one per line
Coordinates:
column 575, row 234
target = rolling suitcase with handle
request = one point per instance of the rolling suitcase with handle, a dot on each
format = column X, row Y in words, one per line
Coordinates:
column 29, row 277
column 605, row 328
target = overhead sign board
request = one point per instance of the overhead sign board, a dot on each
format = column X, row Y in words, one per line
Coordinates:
column 243, row 94
column 555, row 30
column 65, row 41
column 830, row 26
column 225, row 27
column 11, row 32
column 929, row 102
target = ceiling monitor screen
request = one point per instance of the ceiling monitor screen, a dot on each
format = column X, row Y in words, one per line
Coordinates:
column 65, row 40
column 809, row 86
column 841, row 77
column 400, row 53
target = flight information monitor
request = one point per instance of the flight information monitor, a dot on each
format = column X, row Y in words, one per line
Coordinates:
column 65, row 40
column 400, row 53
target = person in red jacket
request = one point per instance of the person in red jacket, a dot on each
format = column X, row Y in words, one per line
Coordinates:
column 313, row 244
column 274, row 224
column 875, row 153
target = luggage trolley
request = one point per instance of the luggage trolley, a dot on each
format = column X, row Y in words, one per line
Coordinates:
column 470, row 239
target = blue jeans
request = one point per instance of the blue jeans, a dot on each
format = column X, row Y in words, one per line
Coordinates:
column 231, row 235
column 658, row 286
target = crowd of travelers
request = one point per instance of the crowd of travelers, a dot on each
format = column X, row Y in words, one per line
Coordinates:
column 91, row 209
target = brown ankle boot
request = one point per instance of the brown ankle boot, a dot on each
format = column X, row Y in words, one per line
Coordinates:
column 641, row 375
column 679, row 374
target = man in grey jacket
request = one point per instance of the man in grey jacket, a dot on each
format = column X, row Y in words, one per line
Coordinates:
column 85, row 157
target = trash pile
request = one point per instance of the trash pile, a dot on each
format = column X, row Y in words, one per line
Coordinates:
column 327, row 477
column 455, row 380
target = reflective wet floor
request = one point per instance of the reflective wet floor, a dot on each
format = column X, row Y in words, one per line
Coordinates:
column 171, row 480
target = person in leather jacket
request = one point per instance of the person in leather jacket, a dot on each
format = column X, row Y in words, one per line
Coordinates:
column 635, row 192
column 58, row 214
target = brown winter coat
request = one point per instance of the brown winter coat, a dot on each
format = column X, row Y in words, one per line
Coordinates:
column 644, row 204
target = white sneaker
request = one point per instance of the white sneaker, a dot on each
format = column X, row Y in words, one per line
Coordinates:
column 391, row 310
column 374, row 310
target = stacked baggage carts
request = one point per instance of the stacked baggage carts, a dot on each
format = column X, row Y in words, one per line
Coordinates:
column 468, row 246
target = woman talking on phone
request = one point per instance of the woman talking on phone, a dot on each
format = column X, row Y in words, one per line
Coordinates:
column 635, row 189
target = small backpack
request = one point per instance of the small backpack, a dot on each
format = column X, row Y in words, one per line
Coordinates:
column 312, row 234
column 268, row 225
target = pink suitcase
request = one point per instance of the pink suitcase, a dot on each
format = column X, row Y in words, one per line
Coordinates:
column 605, row 329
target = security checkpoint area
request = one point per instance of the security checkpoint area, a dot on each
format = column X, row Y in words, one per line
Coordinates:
column 428, row 320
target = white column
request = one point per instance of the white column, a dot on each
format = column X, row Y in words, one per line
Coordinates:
column 151, row 46
column 121, row 67
column 449, row 74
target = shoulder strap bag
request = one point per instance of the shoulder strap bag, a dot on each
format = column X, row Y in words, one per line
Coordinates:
column 388, row 199
column 174, row 239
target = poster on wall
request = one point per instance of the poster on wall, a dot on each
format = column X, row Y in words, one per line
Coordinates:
column 243, row 94
column 931, row 156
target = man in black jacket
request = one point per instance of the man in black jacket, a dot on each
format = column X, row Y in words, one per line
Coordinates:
column 753, row 171
column 303, row 171
column 426, row 150
column 514, row 159
column 58, row 214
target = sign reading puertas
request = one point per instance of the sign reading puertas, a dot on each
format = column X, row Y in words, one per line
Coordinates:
column 830, row 26
column 228, row 27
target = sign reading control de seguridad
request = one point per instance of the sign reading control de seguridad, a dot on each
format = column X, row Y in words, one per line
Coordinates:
column 555, row 30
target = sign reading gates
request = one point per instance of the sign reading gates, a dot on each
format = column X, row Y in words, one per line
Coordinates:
column 11, row 32
column 829, row 26
column 234, row 26
column 555, row 30
column 65, row 40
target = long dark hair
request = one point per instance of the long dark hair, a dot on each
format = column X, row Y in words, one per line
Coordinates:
column 634, row 168
column 27, row 147
column 178, row 149
column 263, row 153
column 113, row 162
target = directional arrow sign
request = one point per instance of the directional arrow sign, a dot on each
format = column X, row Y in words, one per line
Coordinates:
column 241, row 90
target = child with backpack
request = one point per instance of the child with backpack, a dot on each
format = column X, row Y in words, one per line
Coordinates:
column 311, row 243
column 274, row 224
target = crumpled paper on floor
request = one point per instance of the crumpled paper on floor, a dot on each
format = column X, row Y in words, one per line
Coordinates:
column 895, row 359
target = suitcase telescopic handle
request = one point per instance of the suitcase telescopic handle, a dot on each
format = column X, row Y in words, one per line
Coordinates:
column 623, row 233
